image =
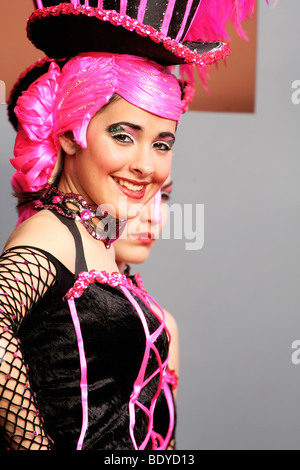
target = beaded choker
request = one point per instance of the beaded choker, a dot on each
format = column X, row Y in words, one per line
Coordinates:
column 107, row 231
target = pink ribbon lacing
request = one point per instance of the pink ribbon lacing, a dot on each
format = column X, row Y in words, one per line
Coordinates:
column 128, row 288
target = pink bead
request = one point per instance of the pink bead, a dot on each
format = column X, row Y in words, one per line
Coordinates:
column 57, row 199
column 85, row 214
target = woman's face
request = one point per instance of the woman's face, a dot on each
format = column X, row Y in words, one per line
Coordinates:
column 142, row 232
column 127, row 159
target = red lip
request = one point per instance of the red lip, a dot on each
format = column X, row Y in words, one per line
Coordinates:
column 145, row 241
column 145, row 238
column 128, row 192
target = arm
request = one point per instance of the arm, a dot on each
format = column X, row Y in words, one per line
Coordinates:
column 173, row 354
column 25, row 275
column 174, row 345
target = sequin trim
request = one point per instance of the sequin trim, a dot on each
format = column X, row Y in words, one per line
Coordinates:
column 116, row 19
column 171, row 378
column 112, row 279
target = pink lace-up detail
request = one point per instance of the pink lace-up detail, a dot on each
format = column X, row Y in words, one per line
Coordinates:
column 128, row 288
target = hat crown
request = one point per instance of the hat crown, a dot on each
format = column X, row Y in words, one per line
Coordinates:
column 171, row 17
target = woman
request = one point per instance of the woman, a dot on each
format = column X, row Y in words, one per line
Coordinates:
column 134, row 247
column 123, row 157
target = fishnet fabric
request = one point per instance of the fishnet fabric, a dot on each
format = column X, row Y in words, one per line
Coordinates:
column 25, row 276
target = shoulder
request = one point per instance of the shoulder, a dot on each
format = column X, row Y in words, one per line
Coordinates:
column 44, row 230
column 171, row 323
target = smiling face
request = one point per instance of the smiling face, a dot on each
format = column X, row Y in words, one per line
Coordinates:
column 142, row 232
column 127, row 159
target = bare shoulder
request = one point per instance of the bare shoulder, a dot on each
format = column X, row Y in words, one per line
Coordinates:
column 170, row 320
column 44, row 230
column 171, row 323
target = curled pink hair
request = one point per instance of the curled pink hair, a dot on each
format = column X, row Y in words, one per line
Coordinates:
column 66, row 100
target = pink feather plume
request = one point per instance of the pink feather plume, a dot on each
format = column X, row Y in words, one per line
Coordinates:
column 210, row 23
column 213, row 16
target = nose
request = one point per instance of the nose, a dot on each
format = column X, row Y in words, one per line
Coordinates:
column 142, row 164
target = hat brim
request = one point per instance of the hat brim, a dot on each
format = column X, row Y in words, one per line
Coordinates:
column 65, row 31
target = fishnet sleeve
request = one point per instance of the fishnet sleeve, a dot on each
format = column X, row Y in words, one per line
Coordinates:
column 25, row 276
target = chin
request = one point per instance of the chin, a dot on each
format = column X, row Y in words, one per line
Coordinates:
column 133, row 254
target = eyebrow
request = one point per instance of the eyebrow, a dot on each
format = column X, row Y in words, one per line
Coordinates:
column 136, row 127
column 128, row 124
column 167, row 134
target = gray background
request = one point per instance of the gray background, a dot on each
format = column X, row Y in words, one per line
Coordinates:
column 236, row 300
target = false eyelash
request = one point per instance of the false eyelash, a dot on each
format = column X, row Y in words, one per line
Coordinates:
column 116, row 134
column 168, row 146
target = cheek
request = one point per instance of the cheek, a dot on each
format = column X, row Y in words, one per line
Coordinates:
column 106, row 156
column 163, row 168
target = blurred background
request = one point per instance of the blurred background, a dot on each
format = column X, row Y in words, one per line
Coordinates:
column 236, row 300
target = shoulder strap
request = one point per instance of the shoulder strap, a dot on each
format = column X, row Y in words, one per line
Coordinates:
column 80, row 262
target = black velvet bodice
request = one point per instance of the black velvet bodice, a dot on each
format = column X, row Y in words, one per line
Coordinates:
column 114, row 343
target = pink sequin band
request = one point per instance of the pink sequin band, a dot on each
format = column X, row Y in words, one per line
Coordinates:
column 65, row 100
column 165, row 377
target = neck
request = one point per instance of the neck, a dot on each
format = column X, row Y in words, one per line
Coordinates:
column 124, row 268
column 121, row 265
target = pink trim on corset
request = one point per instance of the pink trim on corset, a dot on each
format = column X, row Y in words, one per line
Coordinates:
column 39, row 4
column 171, row 378
column 142, row 10
column 168, row 395
column 168, row 16
column 186, row 15
column 126, row 285
column 140, row 382
column 123, row 7
column 83, row 368
column 163, row 442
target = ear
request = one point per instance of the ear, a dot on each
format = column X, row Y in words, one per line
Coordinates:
column 68, row 143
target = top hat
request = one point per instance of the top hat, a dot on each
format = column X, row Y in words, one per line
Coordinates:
column 157, row 29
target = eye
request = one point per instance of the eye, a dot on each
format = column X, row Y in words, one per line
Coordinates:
column 165, row 197
column 162, row 145
column 123, row 138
